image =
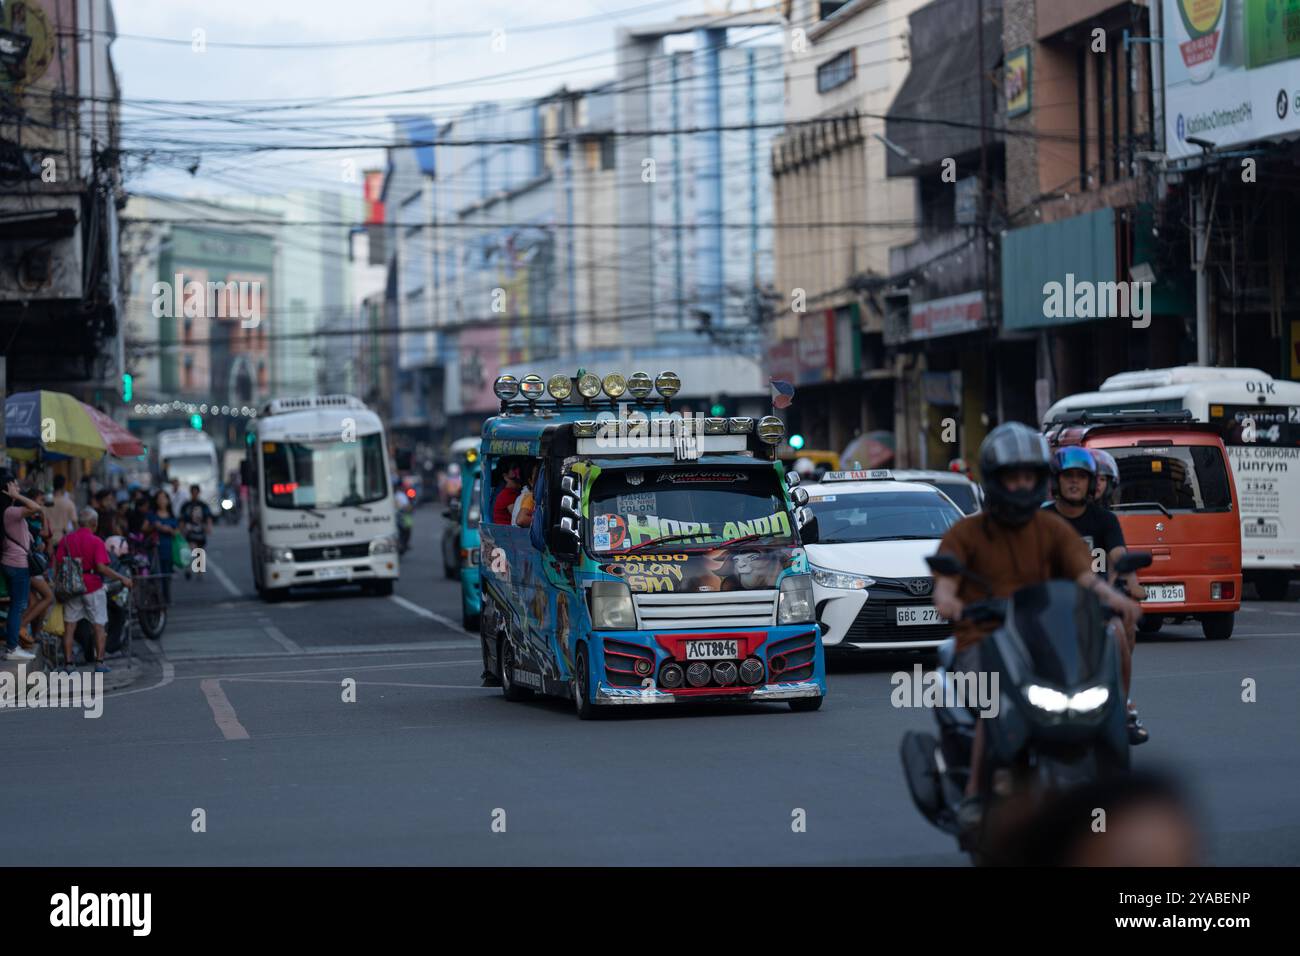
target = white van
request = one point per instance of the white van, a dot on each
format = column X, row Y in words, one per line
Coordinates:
column 190, row 456
column 320, row 496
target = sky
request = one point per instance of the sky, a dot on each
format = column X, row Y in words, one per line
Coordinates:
column 206, row 101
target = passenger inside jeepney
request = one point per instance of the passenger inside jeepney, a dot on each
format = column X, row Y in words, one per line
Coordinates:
column 521, row 515
column 506, row 487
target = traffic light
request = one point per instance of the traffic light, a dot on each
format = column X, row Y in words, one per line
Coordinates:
column 128, row 387
column 718, row 410
column 796, row 442
column 196, row 421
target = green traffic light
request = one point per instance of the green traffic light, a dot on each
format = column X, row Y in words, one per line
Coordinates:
column 196, row 421
column 128, row 387
column 796, row 442
column 717, row 411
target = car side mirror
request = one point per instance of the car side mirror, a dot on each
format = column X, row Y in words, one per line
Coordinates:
column 1133, row 561
column 944, row 564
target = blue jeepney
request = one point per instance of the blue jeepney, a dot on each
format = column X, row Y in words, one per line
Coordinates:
column 471, row 593
column 635, row 555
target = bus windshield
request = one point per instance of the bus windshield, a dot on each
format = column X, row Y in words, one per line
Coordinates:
column 191, row 469
column 636, row 508
column 324, row 474
column 1172, row 477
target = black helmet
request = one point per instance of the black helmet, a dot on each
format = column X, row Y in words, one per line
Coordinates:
column 1108, row 466
column 1013, row 445
column 1074, row 458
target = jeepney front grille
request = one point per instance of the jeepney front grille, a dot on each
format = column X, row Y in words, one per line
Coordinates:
column 709, row 610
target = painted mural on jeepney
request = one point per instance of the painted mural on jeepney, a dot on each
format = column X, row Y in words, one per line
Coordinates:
column 718, row 569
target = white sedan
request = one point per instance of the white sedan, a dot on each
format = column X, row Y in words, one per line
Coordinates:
column 871, row 586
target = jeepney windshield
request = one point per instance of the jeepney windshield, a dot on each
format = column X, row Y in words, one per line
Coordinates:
column 636, row 508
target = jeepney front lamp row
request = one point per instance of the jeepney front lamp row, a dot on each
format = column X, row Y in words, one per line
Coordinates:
column 589, row 385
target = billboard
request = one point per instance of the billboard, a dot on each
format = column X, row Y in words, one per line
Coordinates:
column 1232, row 72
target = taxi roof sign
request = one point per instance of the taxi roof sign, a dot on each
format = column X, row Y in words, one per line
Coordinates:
column 875, row 474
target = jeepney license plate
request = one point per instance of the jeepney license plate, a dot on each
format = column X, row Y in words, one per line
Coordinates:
column 905, row 616
column 712, row 650
column 1266, row 530
column 333, row 574
column 1165, row 593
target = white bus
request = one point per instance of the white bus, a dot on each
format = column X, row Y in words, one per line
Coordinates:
column 190, row 456
column 320, row 496
column 1259, row 418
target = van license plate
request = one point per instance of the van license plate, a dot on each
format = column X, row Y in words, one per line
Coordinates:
column 333, row 574
column 712, row 650
column 904, row 616
column 1165, row 594
column 1266, row 530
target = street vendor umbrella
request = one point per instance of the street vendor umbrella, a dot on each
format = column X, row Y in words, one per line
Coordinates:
column 872, row 450
column 120, row 442
column 46, row 424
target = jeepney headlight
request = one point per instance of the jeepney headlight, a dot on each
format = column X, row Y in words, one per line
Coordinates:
column 611, row 606
column 668, row 384
column 588, row 385
column 506, row 387
column 385, row 545
column 639, row 385
column 838, row 579
column 771, row 429
column 533, row 387
column 614, row 385
column 277, row 555
column 795, row 604
column 586, row 428
column 560, row 387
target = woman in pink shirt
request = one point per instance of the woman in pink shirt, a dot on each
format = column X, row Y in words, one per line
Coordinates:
column 17, row 543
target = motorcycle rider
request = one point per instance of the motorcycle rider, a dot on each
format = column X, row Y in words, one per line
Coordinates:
column 1082, row 496
column 196, row 518
column 1013, row 543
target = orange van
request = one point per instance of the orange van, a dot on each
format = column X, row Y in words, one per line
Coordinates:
column 1176, row 499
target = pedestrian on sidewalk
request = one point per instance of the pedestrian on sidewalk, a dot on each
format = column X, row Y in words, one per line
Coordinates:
column 165, row 526
column 89, row 551
column 41, row 595
column 14, row 560
column 61, row 515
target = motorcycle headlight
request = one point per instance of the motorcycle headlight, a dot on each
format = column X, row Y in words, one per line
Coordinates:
column 227, row 504
column 385, row 545
column 611, row 605
column 795, row 604
column 1048, row 699
column 1089, row 699
column 277, row 555
column 837, row 579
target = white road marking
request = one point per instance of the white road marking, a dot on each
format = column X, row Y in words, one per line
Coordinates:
column 222, row 712
column 425, row 612
column 226, row 583
column 168, row 675
column 277, row 635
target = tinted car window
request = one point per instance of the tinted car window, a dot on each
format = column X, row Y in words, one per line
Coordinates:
column 1179, row 477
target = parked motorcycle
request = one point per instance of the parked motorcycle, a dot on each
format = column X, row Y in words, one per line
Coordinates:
column 1060, row 719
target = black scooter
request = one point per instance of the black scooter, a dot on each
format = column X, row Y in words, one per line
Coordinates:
column 1060, row 718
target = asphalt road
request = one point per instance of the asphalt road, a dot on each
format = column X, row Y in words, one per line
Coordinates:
column 241, row 715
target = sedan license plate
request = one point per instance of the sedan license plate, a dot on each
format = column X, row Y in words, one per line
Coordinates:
column 712, row 650
column 907, row 616
column 1267, row 529
column 333, row 574
column 1165, row 594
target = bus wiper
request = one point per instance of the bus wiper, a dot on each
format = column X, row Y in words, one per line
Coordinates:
column 312, row 511
column 1142, row 504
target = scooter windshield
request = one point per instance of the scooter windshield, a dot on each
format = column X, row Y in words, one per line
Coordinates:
column 1063, row 629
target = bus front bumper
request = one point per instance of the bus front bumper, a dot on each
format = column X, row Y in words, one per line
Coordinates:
column 376, row 567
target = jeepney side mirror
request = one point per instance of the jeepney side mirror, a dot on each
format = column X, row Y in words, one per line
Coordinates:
column 807, row 521
column 563, row 539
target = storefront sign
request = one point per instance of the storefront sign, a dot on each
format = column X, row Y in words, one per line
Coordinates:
column 948, row 316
